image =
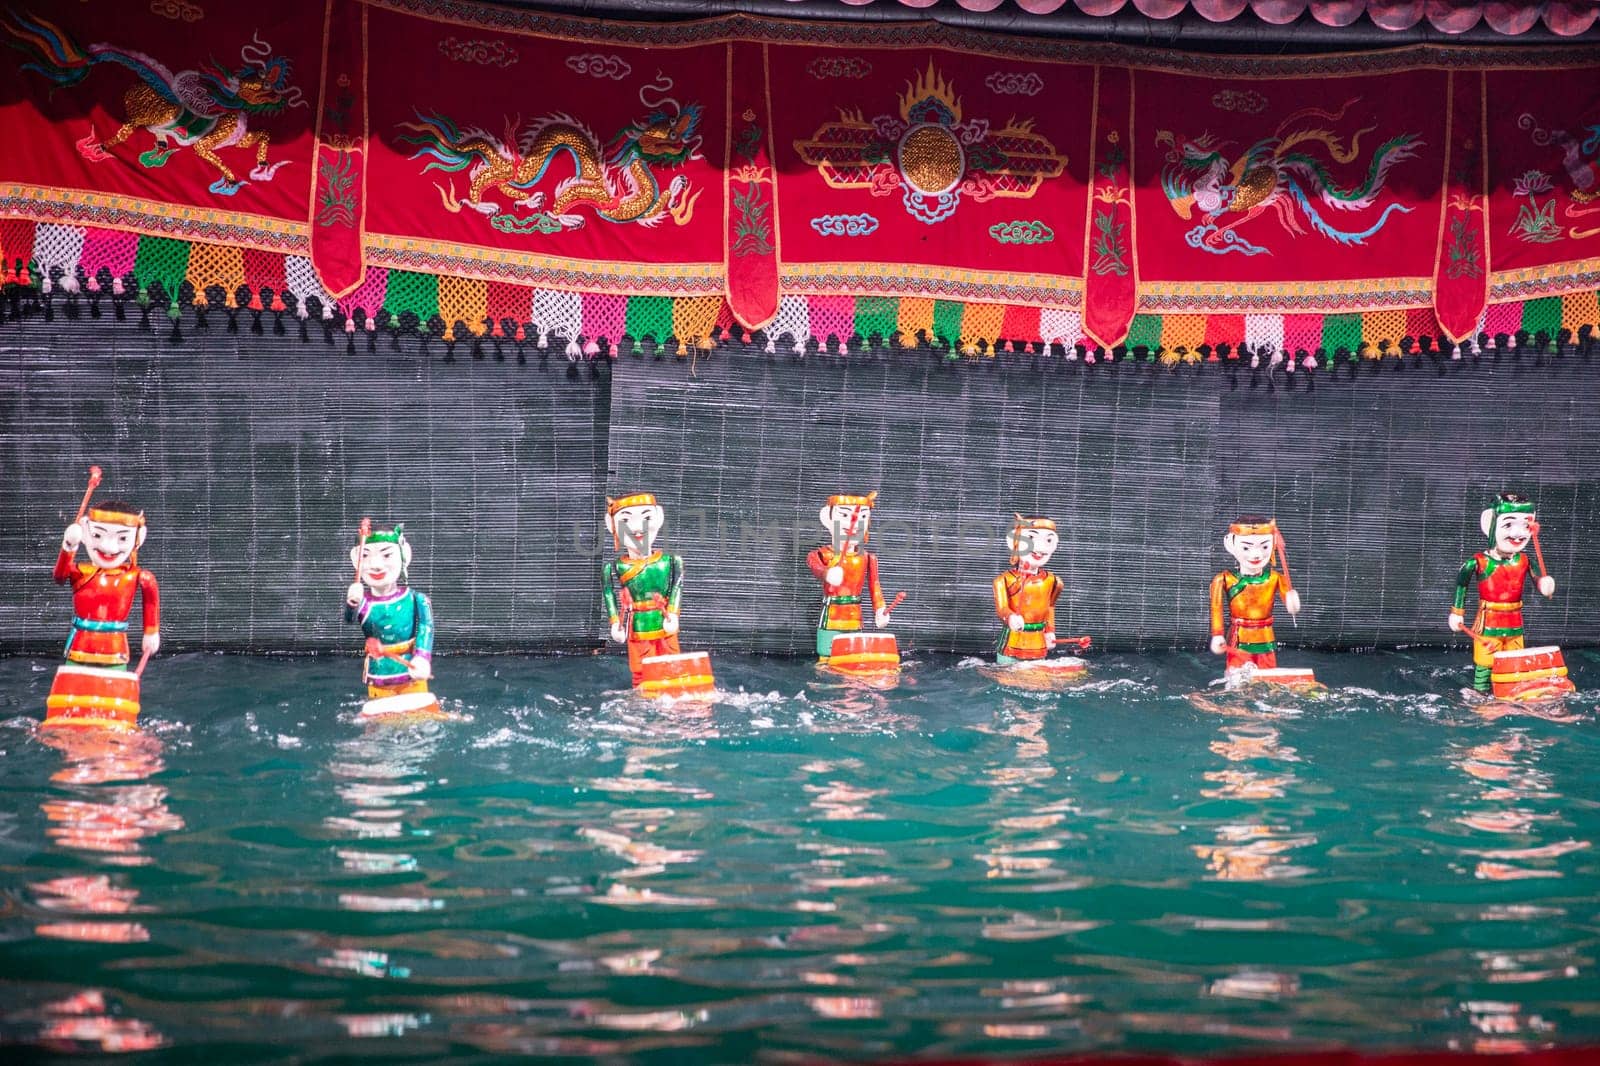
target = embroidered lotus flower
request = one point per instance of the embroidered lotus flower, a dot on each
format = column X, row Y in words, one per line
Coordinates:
column 1533, row 181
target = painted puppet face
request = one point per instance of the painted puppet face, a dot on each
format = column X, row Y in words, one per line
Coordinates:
column 1033, row 547
column 636, row 528
column 1252, row 551
column 381, row 563
column 846, row 522
column 111, row 544
column 1512, row 532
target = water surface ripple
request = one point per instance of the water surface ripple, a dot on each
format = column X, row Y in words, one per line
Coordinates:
column 807, row 868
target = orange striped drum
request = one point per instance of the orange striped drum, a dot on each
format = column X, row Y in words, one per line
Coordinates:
column 93, row 697
column 1530, row 674
column 402, row 705
column 676, row 675
column 1294, row 676
column 1286, row 675
column 864, row 653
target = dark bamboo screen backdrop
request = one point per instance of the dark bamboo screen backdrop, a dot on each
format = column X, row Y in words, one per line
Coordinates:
column 1376, row 476
column 256, row 455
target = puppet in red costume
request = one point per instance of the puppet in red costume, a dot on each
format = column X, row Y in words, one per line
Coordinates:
column 104, row 587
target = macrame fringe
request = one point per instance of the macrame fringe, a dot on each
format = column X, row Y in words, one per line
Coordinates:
column 44, row 267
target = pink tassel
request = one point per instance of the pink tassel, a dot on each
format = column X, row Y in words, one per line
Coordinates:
column 592, row 347
column 349, row 325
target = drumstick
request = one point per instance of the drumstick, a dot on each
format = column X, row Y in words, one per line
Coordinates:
column 1538, row 552
column 94, row 480
column 375, row 651
column 1082, row 642
column 366, row 531
column 1283, row 561
column 144, row 660
column 899, row 598
column 1477, row 638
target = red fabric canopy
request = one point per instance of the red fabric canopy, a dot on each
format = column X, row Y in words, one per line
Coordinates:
column 1564, row 17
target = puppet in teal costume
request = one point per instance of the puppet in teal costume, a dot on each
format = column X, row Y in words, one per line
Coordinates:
column 398, row 617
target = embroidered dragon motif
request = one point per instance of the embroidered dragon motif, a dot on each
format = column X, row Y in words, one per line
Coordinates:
column 621, row 182
column 1277, row 174
column 207, row 109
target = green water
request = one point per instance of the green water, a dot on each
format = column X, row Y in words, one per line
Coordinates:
column 805, row 869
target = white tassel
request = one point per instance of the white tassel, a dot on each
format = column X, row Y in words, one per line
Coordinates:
column 800, row 346
column 772, row 345
column 544, row 338
column 574, row 350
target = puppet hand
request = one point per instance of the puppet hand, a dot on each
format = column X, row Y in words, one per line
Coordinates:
column 834, row 577
column 669, row 623
column 1547, row 586
column 1218, row 645
column 1014, row 621
column 1456, row 624
column 151, row 644
column 619, row 633
column 353, row 594
column 1049, row 640
column 420, row 668
column 71, row 538
column 1291, row 601
column 881, row 618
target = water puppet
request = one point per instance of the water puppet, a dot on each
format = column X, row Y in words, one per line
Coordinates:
column 642, row 589
column 398, row 623
column 1501, row 663
column 1244, row 596
column 848, row 572
column 94, row 687
column 1025, row 601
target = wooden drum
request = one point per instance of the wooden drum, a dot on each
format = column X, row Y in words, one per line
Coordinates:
column 864, row 653
column 1530, row 674
column 676, row 675
column 93, row 697
column 405, row 704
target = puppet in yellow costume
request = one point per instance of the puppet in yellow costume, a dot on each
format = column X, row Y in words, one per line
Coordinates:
column 1025, row 595
column 1246, row 593
column 848, row 572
